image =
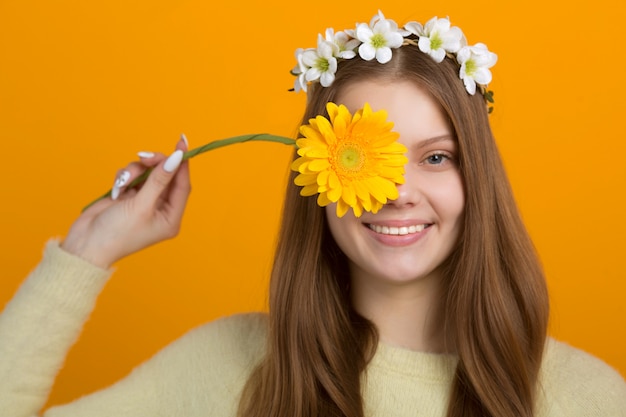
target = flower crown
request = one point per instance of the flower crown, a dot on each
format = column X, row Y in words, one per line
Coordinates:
column 376, row 40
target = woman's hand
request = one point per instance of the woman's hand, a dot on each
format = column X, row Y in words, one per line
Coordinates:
column 134, row 218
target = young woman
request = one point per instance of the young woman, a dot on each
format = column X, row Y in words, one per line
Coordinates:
column 433, row 305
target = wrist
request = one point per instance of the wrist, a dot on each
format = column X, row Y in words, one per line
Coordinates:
column 86, row 253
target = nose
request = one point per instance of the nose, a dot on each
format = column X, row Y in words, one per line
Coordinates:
column 409, row 193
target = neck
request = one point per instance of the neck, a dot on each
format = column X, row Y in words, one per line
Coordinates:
column 406, row 315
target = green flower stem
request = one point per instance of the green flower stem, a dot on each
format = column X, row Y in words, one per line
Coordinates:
column 265, row 137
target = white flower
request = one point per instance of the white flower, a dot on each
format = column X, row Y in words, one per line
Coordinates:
column 320, row 63
column 378, row 38
column 475, row 63
column 437, row 38
column 345, row 43
column 300, row 72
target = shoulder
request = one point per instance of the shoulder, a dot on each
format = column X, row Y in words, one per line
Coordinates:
column 246, row 330
column 215, row 356
column 573, row 382
column 238, row 340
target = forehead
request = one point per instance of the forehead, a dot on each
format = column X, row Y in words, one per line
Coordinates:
column 413, row 111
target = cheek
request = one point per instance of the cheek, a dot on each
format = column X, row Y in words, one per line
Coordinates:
column 336, row 225
column 331, row 219
column 449, row 197
column 344, row 229
column 457, row 203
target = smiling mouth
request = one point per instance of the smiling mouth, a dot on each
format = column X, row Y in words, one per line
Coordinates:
column 399, row 230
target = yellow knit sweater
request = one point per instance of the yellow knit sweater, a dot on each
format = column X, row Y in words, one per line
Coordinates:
column 203, row 372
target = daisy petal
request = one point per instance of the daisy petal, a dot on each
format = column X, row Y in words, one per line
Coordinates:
column 352, row 160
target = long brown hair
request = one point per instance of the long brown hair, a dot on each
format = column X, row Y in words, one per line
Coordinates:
column 496, row 304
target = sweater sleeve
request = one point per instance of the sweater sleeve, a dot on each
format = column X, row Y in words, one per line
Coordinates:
column 39, row 326
column 200, row 374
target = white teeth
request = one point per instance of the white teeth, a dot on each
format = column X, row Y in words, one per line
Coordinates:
column 392, row 230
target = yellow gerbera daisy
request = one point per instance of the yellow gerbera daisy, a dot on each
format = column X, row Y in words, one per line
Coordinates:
column 354, row 161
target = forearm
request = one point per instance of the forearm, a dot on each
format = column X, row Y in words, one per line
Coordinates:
column 40, row 324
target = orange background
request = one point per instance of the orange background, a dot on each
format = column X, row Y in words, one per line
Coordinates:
column 85, row 85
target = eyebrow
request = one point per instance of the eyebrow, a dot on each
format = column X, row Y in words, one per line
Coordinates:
column 429, row 141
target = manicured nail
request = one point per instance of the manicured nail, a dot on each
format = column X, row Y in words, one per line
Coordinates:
column 115, row 192
column 146, row 155
column 173, row 161
column 184, row 139
column 120, row 181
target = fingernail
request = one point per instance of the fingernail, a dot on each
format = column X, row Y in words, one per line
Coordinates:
column 120, row 181
column 173, row 161
column 144, row 154
column 184, row 139
column 115, row 192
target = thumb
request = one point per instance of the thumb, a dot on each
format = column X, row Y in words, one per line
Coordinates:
column 160, row 178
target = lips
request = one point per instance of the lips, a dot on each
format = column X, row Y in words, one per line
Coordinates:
column 398, row 230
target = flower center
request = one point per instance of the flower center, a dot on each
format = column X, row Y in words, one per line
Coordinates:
column 435, row 41
column 322, row 64
column 350, row 158
column 470, row 67
column 378, row 41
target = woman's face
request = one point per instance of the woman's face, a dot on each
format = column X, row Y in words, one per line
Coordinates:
column 411, row 236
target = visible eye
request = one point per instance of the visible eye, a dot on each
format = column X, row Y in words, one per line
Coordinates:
column 436, row 158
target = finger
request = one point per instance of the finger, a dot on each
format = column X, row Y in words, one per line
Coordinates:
column 183, row 143
column 97, row 206
column 134, row 170
column 146, row 155
column 150, row 159
column 126, row 176
column 179, row 191
column 159, row 179
column 153, row 158
column 128, row 193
